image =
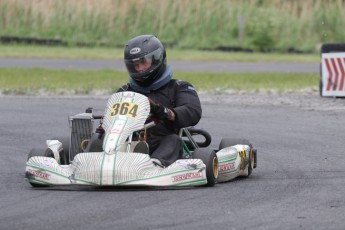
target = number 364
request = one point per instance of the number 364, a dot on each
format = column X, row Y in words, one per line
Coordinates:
column 125, row 108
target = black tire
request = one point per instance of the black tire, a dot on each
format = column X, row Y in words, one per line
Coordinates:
column 227, row 142
column 41, row 152
column 95, row 143
column 64, row 155
column 36, row 152
column 251, row 164
column 210, row 159
column 255, row 157
column 208, row 139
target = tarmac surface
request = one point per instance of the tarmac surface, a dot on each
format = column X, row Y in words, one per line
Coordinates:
column 299, row 182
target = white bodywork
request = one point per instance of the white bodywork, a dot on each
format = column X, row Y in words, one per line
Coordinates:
column 233, row 162
column 125, row 113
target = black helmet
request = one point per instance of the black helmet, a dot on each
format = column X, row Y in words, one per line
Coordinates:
column 145, row 49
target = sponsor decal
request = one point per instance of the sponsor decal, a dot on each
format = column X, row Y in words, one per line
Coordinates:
column 39, row 174
column 243, row 156
column 135, row 50
column 186, row 176
column 227, row 167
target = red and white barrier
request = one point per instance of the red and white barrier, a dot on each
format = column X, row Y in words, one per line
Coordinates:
column 333, row 74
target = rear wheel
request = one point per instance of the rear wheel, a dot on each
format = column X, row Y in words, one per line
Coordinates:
column 209, row 157
column 227, row 142
column 95, row 144
column 251, row 163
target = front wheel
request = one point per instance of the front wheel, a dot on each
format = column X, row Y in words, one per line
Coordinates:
column 210, row 159
column 227, row 142
column 42, row 153
column 63, row 155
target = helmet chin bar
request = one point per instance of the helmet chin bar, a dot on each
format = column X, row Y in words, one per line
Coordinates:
column 152, row 77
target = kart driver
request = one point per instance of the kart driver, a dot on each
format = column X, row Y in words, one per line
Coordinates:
column 174, row 103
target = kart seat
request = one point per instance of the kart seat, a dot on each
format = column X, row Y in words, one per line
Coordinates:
column 95, row 145
column 141, row 147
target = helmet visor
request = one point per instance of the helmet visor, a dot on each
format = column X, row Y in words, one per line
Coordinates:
column 143, row 66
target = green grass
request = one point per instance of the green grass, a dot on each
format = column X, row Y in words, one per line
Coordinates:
column 59, row 82
column 21, row 51
column 250, row 82
column 256, row 24
column 30, row 51
column 34, row 81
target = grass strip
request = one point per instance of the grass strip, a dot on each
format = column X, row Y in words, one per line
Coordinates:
column 59, row 82
column 22, row 51
column 255, row 24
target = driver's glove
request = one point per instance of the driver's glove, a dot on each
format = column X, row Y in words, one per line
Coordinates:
column 160, row 112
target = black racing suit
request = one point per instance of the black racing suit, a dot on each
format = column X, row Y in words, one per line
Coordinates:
column 180, row 96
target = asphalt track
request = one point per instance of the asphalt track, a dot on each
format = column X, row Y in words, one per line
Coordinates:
column 299, row 182
column 176, row 65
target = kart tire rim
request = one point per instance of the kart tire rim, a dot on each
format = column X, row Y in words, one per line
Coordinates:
column 215, row 167
column 251, row 159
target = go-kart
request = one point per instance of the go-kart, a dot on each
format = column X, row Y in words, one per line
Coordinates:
column 124, row 160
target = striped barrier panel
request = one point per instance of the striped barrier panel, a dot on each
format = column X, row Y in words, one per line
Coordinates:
column 333, row 74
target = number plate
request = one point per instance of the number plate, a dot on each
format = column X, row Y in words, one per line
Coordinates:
column 128, row 109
